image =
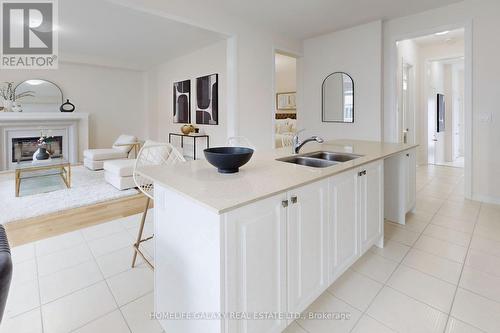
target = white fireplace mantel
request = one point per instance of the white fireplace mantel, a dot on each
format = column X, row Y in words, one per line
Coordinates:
column 76, row 125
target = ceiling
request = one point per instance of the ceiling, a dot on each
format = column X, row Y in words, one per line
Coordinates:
column 306, row 18
column 103, row 33
column 450, row 37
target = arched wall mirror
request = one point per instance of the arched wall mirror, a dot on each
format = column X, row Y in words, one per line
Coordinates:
column 338, row 98
column 44, row 96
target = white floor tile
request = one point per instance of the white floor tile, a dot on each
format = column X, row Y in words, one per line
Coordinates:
column 110, row 243
column 22, row 253
column 294, row 328
column 488, row 232
column 412, row 224
column 110, row 323
column 327, row 303
column 103, row 230
column 476, row 311
column 58, row 243
column 132, row 221
column 29, row 322
column 22, row 297
column 448, row 235
column 77, row 309
column 147, row 231
column 423, row 287
column 117, row 262
column 355, row 289
column 481, row 283
column 436, row 266
column 404, row 314
column 24, row 271
column 443, row 249
column 484, row 262
column 486, row 245
column 454, row 224
column 392, row 250
column 369, row 325
column 394, row 233
column 131, row 284
column 457, row 326
column 60, row 260
column 64, row 282
column 138, row 315
column 464, row 212
column 375, row 267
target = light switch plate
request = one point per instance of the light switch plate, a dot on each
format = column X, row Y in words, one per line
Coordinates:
column 486, row 117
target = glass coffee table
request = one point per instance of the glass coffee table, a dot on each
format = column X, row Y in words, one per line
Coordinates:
column 25, row 170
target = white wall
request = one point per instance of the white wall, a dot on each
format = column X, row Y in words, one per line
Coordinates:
column 483, row 14
column 358, row 52
column 114, row 98
column 286, row 75
column 208, row 60
column 250, row 53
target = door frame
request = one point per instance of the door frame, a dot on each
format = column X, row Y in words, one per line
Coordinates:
column 392, row 134
column 298, row 85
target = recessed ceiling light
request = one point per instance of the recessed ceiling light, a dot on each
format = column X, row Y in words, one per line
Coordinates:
column 442, row 33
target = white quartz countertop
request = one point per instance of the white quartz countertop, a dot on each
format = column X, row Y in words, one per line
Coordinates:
column 262, row 176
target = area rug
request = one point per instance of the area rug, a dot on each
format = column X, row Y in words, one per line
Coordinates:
column 48, row 194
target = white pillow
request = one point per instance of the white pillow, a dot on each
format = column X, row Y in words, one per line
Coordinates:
column 282, row 126
column 124, row 139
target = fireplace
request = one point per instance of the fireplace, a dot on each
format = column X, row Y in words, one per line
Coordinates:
column 24, row 148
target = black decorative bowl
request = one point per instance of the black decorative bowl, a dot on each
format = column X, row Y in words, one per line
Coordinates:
column 228, row 159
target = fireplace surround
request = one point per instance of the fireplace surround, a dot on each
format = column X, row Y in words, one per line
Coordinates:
column 72, row 127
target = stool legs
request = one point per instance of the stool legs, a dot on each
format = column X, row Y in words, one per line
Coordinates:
column 139, row 237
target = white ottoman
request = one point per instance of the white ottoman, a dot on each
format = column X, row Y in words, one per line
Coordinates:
column 119, row 173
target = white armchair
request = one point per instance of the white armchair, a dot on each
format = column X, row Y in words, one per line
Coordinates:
column 122, row 149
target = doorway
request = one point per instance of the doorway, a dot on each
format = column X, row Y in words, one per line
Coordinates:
column 445, row 107
column 431, row 96
column 285, row 111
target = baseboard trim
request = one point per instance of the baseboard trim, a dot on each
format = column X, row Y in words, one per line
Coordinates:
column 486, row 199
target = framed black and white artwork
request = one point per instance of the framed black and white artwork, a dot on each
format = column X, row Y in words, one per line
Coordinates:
column 441, row 113
column 207, row 107
column 182, row 102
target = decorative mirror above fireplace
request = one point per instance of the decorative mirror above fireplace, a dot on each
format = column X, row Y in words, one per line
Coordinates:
column 45, row 96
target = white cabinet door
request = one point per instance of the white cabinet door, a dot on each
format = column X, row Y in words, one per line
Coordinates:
column 343, row 223
column 307, row 245
column 256, row 264
column 371, row 193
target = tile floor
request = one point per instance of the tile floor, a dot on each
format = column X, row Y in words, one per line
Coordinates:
column 438, row 273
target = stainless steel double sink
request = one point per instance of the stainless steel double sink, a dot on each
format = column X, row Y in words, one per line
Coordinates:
column 319, row 159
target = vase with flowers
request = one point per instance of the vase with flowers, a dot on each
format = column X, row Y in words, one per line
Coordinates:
column 10, row 99
column 41, row 153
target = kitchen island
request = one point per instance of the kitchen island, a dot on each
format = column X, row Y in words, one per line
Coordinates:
column 246, row 252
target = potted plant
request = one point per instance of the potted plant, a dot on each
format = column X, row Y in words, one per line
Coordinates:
column 9, row 97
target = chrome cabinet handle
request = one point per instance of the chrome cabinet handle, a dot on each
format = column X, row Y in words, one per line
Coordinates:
column 294, row 199
column 284, row 203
